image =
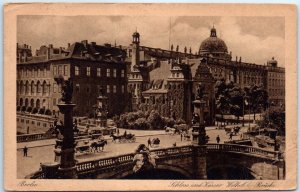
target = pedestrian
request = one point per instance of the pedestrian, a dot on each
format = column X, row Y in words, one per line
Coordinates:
column 118, row 131
column 181, row 136
column 125, row 133
column 218, row 139
column 25, row 149
column 149, row 142
column 230, row 136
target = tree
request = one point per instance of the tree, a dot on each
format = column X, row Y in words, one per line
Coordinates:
column 236, row 101
column 257, row 98
column 155, row 120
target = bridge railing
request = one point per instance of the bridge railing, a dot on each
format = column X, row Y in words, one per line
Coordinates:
column 111, row 162
column 244, row 149
column 32, row 137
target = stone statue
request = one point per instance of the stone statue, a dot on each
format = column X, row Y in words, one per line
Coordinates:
column 66, row 88
column 195, row 119
column 200, row 91
column 67, row 91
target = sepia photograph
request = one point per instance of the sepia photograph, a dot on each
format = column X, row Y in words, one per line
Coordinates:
column 178, row 98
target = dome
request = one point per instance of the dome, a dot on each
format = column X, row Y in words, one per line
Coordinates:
column 136, row 34
column 213, row 44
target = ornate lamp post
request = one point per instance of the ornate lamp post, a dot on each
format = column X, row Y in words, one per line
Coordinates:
column 65, row 144
column 101, row 110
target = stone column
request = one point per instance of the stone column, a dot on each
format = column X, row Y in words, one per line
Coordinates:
column 199, row 136
column 198, row 127
column 66, row 143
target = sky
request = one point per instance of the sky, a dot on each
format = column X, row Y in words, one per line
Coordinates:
column 255, row 39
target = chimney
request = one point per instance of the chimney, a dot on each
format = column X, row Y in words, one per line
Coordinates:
column 240, row 59
column 30, row 48
column 69, row 45
column 236, row 58
column 25, row 56
column 48, row 53
column 84, row 42
column 50, row 46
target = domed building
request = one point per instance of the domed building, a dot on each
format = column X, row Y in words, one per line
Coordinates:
column 214, row 47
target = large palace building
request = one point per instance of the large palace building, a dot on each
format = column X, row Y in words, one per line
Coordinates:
column 166, row 80
column 135, row 78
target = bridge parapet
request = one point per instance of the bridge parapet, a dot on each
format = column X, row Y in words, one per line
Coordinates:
column 122, row 162
column 245, row 150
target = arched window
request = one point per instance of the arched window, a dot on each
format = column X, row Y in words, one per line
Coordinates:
column 32, row 103
column 22, row 87
column 21, row 102
column 26, row 102
column 27, row 88
column 38, row 104
column 38, row 87
column 44, row 88
column 32, row 87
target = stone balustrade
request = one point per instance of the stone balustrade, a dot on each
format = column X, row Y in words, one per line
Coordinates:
column 32, row 137
column 113, row 163
column 244, row 149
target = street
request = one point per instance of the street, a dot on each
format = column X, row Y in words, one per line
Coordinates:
column 37, row 155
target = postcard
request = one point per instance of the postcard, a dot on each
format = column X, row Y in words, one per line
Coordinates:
column 125, row 97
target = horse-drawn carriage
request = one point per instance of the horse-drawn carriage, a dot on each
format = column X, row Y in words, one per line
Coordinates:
column 155, row 142
column 233, row 130
column 130, row 138
column 88, row 145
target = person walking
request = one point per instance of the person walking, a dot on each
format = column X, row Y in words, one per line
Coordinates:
column 149, row 142
column 218, row 139
column 25, row 149
column 181, row 136
column 230, row 136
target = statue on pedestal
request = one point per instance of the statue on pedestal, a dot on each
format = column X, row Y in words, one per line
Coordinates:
column 200, row 91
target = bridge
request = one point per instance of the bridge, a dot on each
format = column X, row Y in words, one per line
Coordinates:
column 210, row 161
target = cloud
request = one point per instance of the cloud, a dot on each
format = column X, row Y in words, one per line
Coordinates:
column 254, row 42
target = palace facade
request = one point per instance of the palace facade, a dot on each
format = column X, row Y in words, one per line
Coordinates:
column 166, row 80
column 137, row 77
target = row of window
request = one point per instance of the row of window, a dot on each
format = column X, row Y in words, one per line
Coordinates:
column 276, row 92
column 255, row 80
column 33, row 88
column 33, row 72
column 109, row 72
column 32, row 122
column 277, row 75
column 61, row 70
column 109, row 88
column 276, row 82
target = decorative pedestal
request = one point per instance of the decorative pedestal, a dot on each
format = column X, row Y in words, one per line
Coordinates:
column 198, row 132
column 65, row 144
